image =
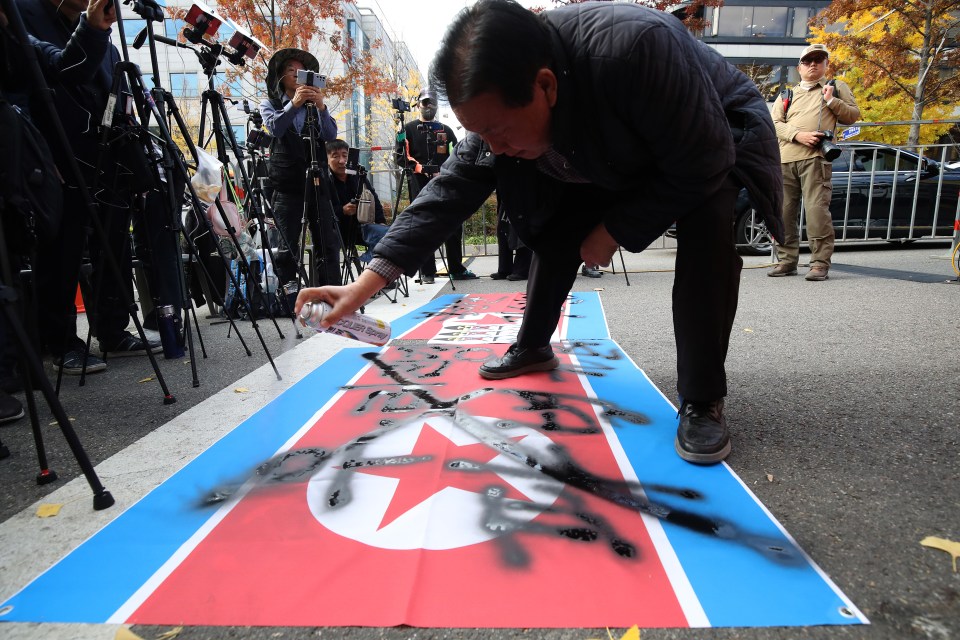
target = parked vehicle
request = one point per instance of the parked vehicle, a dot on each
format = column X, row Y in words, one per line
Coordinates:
column 884, row 180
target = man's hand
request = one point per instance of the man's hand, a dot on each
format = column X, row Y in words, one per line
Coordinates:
column 350, row 209
column 598, row 247
column 306, row 94
column 828, row 93
column 345, row 299
column 809, row 138
column 99, row 16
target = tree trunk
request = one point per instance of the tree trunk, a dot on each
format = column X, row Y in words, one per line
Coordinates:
column 923, row 70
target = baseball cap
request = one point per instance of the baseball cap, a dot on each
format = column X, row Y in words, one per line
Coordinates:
column 815, row 50
column 427, row 94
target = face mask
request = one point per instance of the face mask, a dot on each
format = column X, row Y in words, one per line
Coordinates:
column 427, row 112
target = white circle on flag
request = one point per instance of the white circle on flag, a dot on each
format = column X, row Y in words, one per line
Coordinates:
column 449, row 518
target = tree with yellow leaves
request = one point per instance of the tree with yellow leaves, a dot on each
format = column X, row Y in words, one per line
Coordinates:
column 901, row 58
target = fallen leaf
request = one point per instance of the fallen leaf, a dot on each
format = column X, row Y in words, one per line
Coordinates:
column 168, row 635
column 598, row 289
column 48, row 510
column 747, row 330
column 769, row 477
column 241, row 390
column 951, row 547
column 125, row 634
column 147, row 379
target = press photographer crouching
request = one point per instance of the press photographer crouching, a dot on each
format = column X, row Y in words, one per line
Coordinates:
column 300, row 124
column 351, row 191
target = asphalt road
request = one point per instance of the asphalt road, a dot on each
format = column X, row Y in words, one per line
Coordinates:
column 844, row 407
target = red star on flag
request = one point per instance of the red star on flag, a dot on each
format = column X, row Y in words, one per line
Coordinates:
column 433, row 474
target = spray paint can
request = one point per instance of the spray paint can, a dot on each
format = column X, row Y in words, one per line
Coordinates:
column 354, row 326
column 168, row 324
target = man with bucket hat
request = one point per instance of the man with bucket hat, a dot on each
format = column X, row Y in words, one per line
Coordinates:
column 295, row 115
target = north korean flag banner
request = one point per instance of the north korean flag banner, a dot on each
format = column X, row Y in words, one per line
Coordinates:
column 397, row 487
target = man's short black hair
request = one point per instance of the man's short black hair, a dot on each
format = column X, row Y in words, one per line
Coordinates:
column 336, row 145
column 494, row 45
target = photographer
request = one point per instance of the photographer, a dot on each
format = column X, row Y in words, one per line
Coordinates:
column 804, row 121
column 346, row 192
column 690, row 131
column 57, row 270
column 31, row 209
column 285, row 117
column 427, row 147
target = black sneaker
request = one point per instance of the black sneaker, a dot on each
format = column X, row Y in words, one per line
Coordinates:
column 519, row 360
column 10, row 409
column 496, row 275
column 72, row 363
column 426, row 280
column 130, row 345
column 466, row 274
column 702, row 437
column 516, row 277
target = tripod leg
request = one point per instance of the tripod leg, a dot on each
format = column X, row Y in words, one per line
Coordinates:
column 624, row 265
column 101, row 497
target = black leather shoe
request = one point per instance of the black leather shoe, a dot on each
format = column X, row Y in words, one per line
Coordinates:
column 702, row 437
column 519, row 360
column 496, row 275
column 515, row 277
column 591, row 273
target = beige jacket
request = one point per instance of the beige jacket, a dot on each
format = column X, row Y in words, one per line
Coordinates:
column 803, row 113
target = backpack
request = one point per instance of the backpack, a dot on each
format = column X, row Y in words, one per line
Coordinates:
column 31, row 196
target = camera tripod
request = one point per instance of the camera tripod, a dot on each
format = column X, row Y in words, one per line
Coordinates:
column 30, row 362
column 174, row 165
column 222, row 132
column 317, row 200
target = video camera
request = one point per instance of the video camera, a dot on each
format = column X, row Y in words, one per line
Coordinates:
column 401, row 105
column 311, row 79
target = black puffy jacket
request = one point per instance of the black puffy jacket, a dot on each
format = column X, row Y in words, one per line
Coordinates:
column 651, row 116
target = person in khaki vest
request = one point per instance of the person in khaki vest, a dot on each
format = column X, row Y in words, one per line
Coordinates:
column 816, row 107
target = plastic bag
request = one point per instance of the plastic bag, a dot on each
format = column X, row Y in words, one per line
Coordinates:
column 208, row 179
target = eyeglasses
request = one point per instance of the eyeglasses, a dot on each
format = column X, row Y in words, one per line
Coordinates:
column 810, row 63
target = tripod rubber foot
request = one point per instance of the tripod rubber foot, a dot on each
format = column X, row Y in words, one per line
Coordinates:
column 168, row 399
column 46, row 477
column 102, row 500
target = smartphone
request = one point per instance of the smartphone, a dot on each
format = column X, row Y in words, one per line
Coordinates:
column 311, row 79
column 353, row 161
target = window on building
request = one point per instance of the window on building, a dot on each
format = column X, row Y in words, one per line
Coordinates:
column 184, row 85
column 769, row 21
column 131, row 28
column 173, row 27
column 799, row 27
column 734, row 21
column 753, row 22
